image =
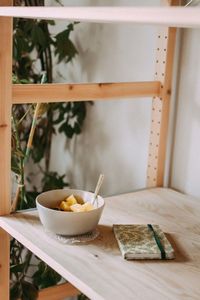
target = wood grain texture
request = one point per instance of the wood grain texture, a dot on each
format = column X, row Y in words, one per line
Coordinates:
column 58, row 292
column 5, row 111
column 5, row 143
column 98, row 269
column 161, row 104
column 165, row 97
column 4, row 264
column 30, row 93
column 168, row 16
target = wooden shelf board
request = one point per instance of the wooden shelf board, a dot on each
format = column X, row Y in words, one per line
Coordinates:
column 99, row 271
column 168, row 16
column 55, row 92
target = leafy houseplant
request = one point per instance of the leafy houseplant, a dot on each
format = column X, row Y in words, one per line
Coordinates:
column 33, row 42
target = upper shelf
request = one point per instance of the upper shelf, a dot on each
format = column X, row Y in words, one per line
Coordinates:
column 168, row 16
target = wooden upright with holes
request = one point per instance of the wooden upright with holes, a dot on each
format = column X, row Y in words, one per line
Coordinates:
column 5, row 143
column 160, row 104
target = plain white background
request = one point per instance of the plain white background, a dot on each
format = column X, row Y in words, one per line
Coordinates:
column 186, row 159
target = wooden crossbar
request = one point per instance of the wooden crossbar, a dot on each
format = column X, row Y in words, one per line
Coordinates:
column 30, row 93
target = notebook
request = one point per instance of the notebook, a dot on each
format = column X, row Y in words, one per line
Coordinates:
column 143, row 242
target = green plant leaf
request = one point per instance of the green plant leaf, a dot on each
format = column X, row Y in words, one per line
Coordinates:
column 67, row 129
column 52, row 180
column 15, row 291
column 50, row 22
column 17, row 268
column 77, row 128
column 64, row 48
column 38, row 36
column 29, row 291
column 45, row 276
column 15, row 165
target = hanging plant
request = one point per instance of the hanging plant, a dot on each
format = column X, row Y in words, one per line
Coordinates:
column 33, row 127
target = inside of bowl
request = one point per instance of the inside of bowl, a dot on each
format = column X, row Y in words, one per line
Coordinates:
column 52, row 199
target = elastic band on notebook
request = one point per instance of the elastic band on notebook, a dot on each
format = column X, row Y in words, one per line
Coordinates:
column 158, row 242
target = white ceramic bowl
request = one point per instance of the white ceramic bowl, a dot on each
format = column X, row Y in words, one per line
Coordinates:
column 68, row 223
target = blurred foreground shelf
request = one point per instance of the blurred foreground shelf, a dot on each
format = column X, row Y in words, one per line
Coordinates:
column 98, row 269
column 167, row 16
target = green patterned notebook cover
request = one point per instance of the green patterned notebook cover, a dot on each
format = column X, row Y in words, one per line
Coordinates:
column 143, row 242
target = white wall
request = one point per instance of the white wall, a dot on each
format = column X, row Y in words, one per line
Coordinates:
column 186, row 159
column 115, row 138
column 116, row 133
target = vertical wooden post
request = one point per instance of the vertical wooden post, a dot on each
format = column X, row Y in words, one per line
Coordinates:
column 161, row 104
column 5, row 143
column 4, row 264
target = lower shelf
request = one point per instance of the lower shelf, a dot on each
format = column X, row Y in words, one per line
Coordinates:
column 98, row 270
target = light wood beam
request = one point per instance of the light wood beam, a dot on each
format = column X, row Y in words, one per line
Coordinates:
column 168, row 16
column 30, row 93
column 161, row 104
column 4, row 264
column 58, row 292
column 5, row 112
column 5, row 144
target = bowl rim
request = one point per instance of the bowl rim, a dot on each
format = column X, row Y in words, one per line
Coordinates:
column 67, row 212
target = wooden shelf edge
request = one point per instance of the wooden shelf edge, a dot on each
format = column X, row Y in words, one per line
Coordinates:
column 32, row 93
column 167, row 16
column 30, row 244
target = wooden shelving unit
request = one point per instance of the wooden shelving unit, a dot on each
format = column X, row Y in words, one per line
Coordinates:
column 97, row 269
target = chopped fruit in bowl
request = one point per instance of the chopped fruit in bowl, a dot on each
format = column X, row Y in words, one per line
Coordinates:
column 69, row 212
column 75, row 204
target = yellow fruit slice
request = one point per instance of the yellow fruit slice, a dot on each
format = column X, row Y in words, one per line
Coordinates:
column 77, row 208
column 87, row 206
column 79, row 199
column 64, row 206
column 71, row 200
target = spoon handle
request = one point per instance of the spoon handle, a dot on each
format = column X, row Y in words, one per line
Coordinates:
column 99, row 183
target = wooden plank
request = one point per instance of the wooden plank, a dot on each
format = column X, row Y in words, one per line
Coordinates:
column 5, row 112
column 166, row 97
column 4, row 264
column 160, row 106
column 58, row 292
column 98, row 269
column 5, row 148
column 29, row 93
column 168, row 16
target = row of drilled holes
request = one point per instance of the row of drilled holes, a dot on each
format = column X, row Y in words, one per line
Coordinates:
column 151, row 145
column 158, row 134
